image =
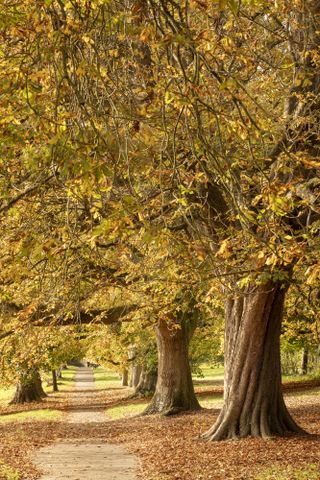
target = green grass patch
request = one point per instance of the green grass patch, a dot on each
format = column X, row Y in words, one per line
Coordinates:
column 69, row 373
column 299, row 378
column 105, row 379
column 33, row 415
column 8, row 473
column 66, row 382
column 301, row 393
column 6, row 394
column 210, row 401
column 210, row 372
column 68, row 378
column 289, row 472
column 123, row 411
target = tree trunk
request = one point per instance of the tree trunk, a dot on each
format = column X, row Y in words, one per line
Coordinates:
column 305, row 361
column 125, row 377
column 174, row 390
column 29, row 389
column 38, row 383
column 54, row 381
column 253, row 400
column 135, row 375
column 147, row 383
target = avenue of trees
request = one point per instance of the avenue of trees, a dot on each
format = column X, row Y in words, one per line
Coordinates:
column 159, row 184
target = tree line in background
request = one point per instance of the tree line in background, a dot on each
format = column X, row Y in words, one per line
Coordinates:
column 159, row 181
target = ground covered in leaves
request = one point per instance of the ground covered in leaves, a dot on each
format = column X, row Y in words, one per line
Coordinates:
column 169, row 448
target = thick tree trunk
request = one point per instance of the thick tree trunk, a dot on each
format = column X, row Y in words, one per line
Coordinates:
column 135, row 375
column 253, row 400
column 147, row 383
column 125, row 377
column 29, row 389
column 54, row 381
column 174, row 391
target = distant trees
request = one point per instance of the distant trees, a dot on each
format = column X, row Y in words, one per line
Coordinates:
column 32, row 352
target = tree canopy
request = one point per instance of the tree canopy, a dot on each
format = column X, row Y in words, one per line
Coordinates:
column 160, row 165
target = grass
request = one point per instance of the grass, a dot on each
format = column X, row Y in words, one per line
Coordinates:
column 216, row 373
column 289, row 472
column 67, row 380
column 123, row 411
column 298, row 378
column 105, row 379
column 65, row 383
column 309, row 392
column 209, row 372
column 8, row 473
column 33, row 415
column 131, row 409
column 6, row 394
column 211, row 401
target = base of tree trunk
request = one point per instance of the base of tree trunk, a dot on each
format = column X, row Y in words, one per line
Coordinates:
column 29, row 390
column 26, row 394
column 253, row 399
column 156, row 407
column 257, row 423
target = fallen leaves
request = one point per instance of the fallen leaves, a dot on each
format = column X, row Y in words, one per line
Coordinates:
column 169, row 447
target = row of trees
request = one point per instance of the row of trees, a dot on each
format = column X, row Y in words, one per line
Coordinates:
column 160, row 165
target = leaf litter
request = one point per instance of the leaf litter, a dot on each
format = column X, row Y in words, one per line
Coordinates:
column 169, row 448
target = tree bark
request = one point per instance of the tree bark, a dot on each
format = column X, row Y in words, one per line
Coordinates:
column 305, row 361
column 54, row 381
column 29, row 389
column 38, row 383
column 253, row 400
column 147, row 383
column 174, row 390
column 125, row 377
column 135, row 375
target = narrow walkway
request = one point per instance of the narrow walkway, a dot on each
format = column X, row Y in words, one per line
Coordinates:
column 89, row 459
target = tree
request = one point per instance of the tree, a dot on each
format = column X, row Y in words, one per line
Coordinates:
column 27, row 354
column 251, row 157
column 177, row 130
column 174, row 390
column 29, row 388
column 144, row 361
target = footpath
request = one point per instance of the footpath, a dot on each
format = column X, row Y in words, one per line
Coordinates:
column 88, row 459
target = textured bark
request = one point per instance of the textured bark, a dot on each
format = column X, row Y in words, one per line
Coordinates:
column 147, row 383
column 174, row 390
column 38, row 384
column 125, row 377
column 253, row 400
column 29, row 389
column 135, row 375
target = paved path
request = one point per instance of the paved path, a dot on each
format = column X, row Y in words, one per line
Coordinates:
column 90, row 459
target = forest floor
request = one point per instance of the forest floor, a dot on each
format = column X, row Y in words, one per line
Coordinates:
column 168, row 448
